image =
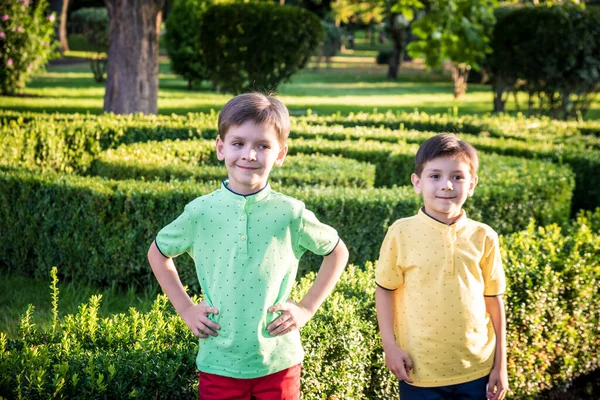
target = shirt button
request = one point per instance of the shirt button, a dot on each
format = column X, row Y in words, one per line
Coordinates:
column 243, row 218
column 242, row 238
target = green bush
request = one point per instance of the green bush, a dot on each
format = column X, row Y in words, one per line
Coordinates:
column 134, row 355
column 25, row 42
column 93, row 24
column 552, row 311
column 332, row 40
column 196, row 160
column 552, row 304
column 108, row 225
column 383, row 57
column 549, row 53
column 257, row 46
column 183, row 39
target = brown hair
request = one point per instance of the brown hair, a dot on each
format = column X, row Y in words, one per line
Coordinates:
column 257, row 108
column 446, row 145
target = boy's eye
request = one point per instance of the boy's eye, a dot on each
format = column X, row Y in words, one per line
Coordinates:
column 263, row 146
column 434, row 176
column 237, row 144
column 458, row 177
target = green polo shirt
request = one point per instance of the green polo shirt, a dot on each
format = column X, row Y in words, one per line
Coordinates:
column 246, row 250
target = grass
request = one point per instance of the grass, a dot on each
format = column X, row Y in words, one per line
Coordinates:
column 353, row 83
column 17, row 292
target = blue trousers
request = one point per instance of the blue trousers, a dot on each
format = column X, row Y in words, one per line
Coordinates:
column 473, row 390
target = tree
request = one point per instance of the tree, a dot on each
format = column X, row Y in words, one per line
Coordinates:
column 132, row 67
column 401, row 14
column 457, row 31
column 61, row 7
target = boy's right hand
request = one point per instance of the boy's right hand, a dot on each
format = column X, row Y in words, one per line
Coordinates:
column 399, row 362
column 196, row 318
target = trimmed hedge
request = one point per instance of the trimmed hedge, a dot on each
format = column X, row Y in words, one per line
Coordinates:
column 551, row 303
column 257, row 45
column 100, row 229
column 196, row 160
column 107, row 225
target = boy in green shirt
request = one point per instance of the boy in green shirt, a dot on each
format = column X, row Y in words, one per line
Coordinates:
column 246, row 240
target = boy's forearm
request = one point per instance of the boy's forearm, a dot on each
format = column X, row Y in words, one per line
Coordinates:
column 166, row 274
column 384, row 303
column 495, row 307
column 331, row 269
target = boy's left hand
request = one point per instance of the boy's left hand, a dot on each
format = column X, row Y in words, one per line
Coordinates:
column 497, row 384
column 293, row 316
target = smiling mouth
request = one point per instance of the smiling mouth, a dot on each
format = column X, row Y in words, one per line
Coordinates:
column 248, row 168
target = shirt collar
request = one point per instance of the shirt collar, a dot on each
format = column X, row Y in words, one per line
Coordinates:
column 434, row 223
column 248, row 198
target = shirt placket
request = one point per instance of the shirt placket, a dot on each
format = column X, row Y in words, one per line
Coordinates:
column 243, row 228
column 450, row 239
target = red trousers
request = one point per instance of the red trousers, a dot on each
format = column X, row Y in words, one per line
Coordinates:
column 282, row 385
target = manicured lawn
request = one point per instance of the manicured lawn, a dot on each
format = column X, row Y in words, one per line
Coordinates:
column 353, row 83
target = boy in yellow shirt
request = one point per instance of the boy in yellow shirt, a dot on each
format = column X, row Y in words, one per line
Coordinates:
column 439, row 286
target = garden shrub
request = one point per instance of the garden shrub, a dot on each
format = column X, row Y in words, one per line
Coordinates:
column 332, row 40
column 196, row 160
column 549, row 53
column 93, row 24
column 257, row 46
column 182, row 38
column 100, row 230
column 26, row 42
column 552, row 299
column 107, row 225
column 553, row 317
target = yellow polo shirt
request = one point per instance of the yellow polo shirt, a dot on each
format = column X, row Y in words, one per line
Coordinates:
column 441, row 274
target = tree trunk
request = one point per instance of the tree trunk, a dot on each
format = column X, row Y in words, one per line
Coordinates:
column 62, row 34
column 460, row 74
column 398, row 34
column 132, row 66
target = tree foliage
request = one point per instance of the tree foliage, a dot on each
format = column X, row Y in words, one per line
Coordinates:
column 457, row 31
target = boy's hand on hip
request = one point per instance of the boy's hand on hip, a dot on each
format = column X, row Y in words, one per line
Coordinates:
column 497, row 384
column 399, row 362
column 196, row 318
column 293, row 316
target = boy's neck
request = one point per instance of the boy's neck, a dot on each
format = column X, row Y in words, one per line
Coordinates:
column 225, row 183
column 450, row 221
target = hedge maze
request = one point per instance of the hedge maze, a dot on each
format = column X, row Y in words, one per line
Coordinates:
column 88, row 194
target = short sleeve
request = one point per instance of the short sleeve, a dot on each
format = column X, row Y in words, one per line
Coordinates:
column 388, row 273
column 175, row 239
column 316, row 236
column 491, row 267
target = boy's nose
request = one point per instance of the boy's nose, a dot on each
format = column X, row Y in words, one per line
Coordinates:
column 250, row 154
column 448, row 185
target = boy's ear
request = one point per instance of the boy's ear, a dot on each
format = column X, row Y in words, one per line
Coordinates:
column 472, row 185
column 281, row 156
column 416, row 181
column 219, row 145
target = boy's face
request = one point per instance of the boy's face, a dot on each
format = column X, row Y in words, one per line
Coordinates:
column 250, row 151
column 445, row 184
